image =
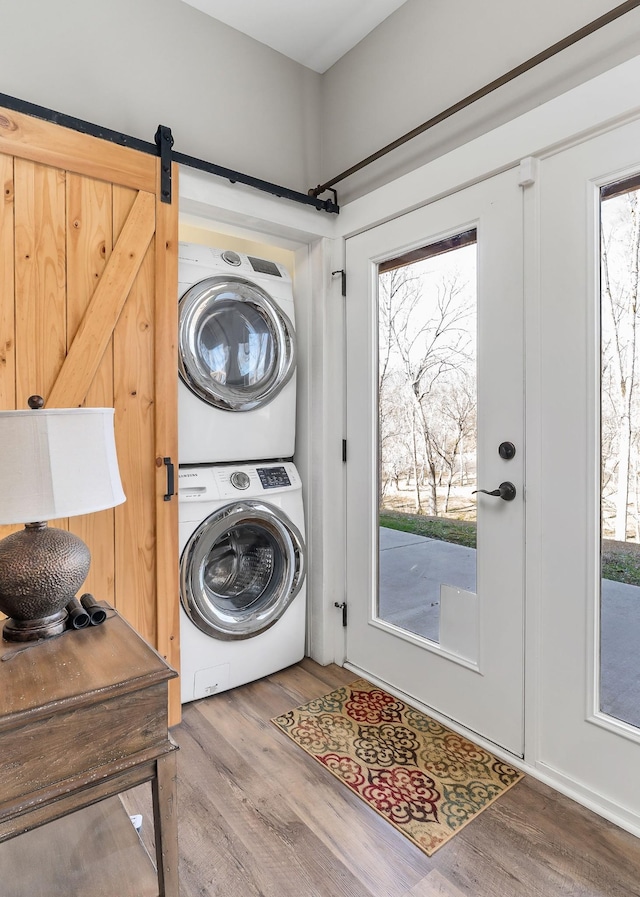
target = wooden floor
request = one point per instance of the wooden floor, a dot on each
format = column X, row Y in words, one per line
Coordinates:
column 260, row 818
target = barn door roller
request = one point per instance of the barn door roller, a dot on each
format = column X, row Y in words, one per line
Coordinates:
column 164, row 142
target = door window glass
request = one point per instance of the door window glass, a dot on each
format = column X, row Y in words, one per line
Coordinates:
column 427, row 323
column 620, row 451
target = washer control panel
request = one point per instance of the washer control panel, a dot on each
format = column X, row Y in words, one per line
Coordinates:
column 217, row 482
column 273, row 477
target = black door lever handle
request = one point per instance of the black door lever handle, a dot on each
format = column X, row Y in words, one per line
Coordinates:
column 505, row 491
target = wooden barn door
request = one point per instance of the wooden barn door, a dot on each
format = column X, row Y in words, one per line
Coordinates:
column 88, row 316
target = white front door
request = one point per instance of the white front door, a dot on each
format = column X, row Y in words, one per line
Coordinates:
column 589, row 624
column 440, row 622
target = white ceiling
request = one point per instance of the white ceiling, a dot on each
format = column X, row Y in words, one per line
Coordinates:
column 315, row 33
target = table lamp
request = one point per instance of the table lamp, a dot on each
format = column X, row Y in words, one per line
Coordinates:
column 54, row 463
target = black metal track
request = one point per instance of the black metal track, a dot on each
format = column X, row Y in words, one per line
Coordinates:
column 77, row 124
column 324, row 205
column 531, row 63
column 154, row 149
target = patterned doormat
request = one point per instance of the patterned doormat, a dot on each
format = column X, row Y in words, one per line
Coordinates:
column 424, row 779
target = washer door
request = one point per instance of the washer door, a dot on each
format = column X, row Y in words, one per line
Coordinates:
column 241, row 569
column 236, row 347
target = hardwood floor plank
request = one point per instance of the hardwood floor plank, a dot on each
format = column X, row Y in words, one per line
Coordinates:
column 374, row 852
column 262, row 834
column 553, row 840
column 303, row 682
column 260, row 818
column 434, row 885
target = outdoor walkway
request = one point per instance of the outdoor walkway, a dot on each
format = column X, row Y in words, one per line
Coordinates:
column 412, row 569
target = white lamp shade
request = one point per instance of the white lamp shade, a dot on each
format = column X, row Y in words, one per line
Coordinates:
column 57, row 463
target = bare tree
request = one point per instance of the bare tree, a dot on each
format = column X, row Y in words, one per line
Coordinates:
column 457, row 424
column 620, row 255
column 426, row 336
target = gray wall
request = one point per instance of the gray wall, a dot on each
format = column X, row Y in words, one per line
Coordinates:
column 432, row 53
column 131, row 65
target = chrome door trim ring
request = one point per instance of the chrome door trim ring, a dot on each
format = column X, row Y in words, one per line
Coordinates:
column 201, row 610
column 195, row 305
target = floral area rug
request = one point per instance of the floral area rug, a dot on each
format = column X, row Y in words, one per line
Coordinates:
column 423, row 778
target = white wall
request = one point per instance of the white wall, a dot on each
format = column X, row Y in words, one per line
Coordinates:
column 131, row 65
column 432, row 53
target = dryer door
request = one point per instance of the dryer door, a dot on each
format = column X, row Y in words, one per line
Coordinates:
column 236, row 347
column 241, row 569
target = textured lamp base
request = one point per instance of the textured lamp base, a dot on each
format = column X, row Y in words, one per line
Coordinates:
column 31, row 630
column 41, row 569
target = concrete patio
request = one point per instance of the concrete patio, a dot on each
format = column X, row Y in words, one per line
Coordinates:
column 412, row 568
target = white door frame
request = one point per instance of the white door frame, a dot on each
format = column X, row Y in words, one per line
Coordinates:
column 318, row 240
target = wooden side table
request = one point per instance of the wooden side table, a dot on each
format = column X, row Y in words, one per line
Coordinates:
column 83, row 717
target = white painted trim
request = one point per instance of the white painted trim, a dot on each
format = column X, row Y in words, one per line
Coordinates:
column 209, row 200
column 319, row 449
column 584, row 795
column 533, row 462
column 333, row 469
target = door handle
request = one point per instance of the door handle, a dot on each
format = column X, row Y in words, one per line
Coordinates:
column 171, row 488
column 505, row 491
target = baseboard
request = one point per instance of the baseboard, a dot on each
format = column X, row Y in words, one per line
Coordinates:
column 620, row 816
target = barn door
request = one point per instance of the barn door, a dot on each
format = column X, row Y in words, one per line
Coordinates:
column 88, row 274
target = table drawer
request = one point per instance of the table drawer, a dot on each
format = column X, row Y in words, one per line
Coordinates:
column 69, row 746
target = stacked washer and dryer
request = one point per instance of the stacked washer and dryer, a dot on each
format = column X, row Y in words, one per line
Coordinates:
column 242, row 551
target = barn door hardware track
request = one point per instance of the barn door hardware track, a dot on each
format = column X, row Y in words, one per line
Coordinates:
column 558, row 47
column 326, row 205
column 163, row 147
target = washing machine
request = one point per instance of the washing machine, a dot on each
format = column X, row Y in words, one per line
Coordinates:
column 242, row 574
column 236, row 357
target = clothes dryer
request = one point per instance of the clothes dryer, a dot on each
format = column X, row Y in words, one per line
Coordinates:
column 236, row 357
column 242, row 574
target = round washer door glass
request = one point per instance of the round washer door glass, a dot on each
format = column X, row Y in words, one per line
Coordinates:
column 236, row 347
column 241, row 569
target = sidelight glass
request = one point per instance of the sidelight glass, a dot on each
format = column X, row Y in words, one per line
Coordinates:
column 427, row 406
column 620, row 451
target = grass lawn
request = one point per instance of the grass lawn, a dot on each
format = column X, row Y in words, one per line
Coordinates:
column 620, row 560
column 457, row 531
